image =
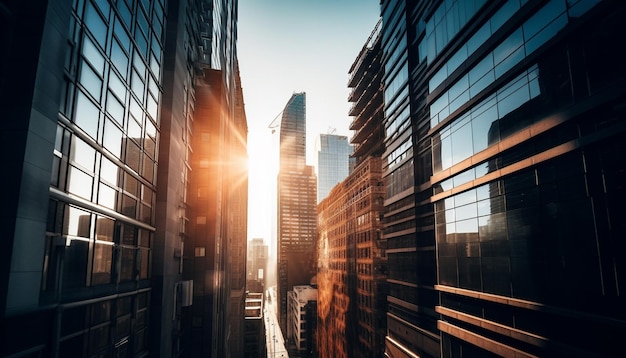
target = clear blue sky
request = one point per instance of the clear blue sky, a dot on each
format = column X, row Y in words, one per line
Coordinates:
column 287, row 46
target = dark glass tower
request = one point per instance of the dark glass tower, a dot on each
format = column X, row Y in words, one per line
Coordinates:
column 102, row 98
column 296, row 205
column 504, row 168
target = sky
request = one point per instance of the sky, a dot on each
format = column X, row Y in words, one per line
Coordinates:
column 289, row 46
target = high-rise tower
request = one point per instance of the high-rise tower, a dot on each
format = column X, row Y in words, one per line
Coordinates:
column 108, row 121
column 296, row 205
column 333, row 162
column 503, row 168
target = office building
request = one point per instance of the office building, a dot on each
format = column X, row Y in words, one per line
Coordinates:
column 103, row 99
column 503, row 168
column 254, row 327
column 296, row 205
column 352, row 269
column 301, row 319
column 333, row 162
column 257, row 265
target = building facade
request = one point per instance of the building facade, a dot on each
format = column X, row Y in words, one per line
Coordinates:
column 501, row 216
column 296, row 205
column 98, row 253
column 352, row 285
column 333, row 156
column 301, row 318
column 257, row 265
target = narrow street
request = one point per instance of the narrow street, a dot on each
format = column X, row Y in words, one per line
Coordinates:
column 274, row 340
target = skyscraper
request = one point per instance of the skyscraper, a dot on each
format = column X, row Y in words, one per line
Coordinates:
column 94, row 262
column 296, row 205
column 333, row 156
column 504, row 145
column 352, row 260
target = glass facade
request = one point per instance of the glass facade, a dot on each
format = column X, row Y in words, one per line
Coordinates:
column 504, row 172
column 332, row 162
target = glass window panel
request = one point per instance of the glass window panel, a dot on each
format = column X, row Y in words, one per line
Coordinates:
column 142, row 43
column 150, row 147
column 152, row 107
column 464, row 177
column 462, row 147
column 124, row 12
column 455, row 61
column 438, row 78
column 481, row 68
column 143, row 22
column 510, row 103
column 122, row 35
column 112, row 138
column 104, row 229
column 132, row 155
column 508, row 63
column 466, row 211
column 109, row 171
column 87, row 114
column 467, row 226
column 144, row 257
column 91, row 53
column 465, row 198
column 543, row 17
column 83, row 154
column 478, row 38
column 119, row 58
column 155, row 65
column 127, row 271
column 117, row 86
column 131, row 185
column 136, row 111
column 90, row 80
column 134, row 130
column 95, row 24
column 446, row 152
column 102, row 263
column 79, row 183
column 508, row 46
column 547, row 33
column 138, row 63
column 485, row 129
column 482, row 192
column 151, row 129
column 459, row 88
column 137, row 85
column 107, row 196
column 482, row 83
column 148, row 168
column 459, row 101
column 115, row 109
column 75, row 264
column 503, row 14
column 77, row 222
column 450, row 216
column 153, row 86
column 129, row 206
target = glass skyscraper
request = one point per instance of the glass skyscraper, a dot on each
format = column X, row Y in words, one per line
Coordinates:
column 503, row 169
column 333, row 162
column 297, row 222
column 102, row 244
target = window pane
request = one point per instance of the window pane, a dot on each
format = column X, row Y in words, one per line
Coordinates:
column 109, row 171
column 77, row 222
column 112, row 138
column 79, row 183
column 115, row 109
column 485, row 129
column 462, row 147
column 107, row 196
column 87, row 114
column 119, row 58
column 102, row 262
column 95, row 24
column 83, row 154
column 90, row 81
column 93, row 55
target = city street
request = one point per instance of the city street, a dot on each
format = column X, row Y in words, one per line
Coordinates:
column 273, row 335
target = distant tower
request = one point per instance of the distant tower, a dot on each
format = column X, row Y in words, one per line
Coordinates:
column 296, row 205
column 333, row 154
